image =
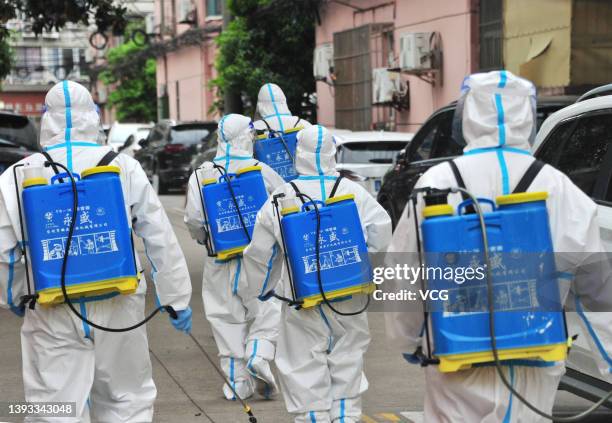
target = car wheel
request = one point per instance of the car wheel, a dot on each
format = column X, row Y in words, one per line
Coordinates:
column 159, row 186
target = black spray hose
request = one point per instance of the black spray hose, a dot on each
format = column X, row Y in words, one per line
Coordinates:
column 231, row 190
column 490, row 299
column 75, row 206
column 282, row 140
column 319, row 280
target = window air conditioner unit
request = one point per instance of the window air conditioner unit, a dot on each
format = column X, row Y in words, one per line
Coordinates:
column 187, row 13
column 323, row 61
column 416, row 51
column 385, row 85
column 150, row 24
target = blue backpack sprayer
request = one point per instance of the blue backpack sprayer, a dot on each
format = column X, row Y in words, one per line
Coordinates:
column 325, row 251
column 230, row 205
column 530, row 322
column 101, row 246
column 277, row 150
column 104, row 259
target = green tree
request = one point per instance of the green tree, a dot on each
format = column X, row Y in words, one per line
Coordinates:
column 55, row 14
column 268, row 41
column 131, row 81
column 6, row 58
column 46, row 15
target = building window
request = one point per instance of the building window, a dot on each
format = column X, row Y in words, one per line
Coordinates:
column 27, row 59
column 213, row 7
column 491, row 34
column 66, row 62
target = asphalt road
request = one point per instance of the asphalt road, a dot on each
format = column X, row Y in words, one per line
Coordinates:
column 186, row 381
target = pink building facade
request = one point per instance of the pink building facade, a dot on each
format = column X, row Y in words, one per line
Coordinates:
column 455, row 21
column 184, row 74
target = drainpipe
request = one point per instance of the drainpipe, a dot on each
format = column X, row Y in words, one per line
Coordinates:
column 162, row 102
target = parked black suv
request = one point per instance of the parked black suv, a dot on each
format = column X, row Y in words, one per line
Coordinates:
column 432, row 144
column 166, row 154
column 18, row 139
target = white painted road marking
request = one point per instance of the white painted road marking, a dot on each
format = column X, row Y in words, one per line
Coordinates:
column 413, row 416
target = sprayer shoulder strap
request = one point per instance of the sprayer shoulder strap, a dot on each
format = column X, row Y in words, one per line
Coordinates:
column 531, row 173
column 335, row 187
column 107, row 159
column 297, row 122
column 267, row 125
column 50, row 160
column 297, row 191
column 458, row 178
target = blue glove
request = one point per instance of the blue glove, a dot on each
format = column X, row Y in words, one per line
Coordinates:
column 183, row 322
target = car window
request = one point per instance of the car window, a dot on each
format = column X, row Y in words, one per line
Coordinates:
column 188, row 134
column 369, row 152
column 211, row 139
column 542, row 113
column 578, row 148
column 446, row 145
column 425, row 143
column 18, row 131
column 155, row 136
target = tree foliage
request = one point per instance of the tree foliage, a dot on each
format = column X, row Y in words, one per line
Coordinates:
column 6, row 58
column 132, row 87
column 46, row 15
column 268, row 41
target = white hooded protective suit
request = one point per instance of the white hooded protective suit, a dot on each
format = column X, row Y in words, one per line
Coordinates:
column 245, row 328
column 272, row 108
column 497, row 119
column 319, row 353
column 108, row 375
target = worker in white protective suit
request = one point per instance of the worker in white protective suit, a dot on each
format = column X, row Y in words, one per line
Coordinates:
column 496, row 115
column 273, row 111
column 319, row 353
column 245, row 329
column 108, row 375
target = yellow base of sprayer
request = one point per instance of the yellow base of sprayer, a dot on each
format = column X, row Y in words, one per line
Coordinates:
column 50, row 296
column 230, row 253
column 314, row 300
column 456, row 362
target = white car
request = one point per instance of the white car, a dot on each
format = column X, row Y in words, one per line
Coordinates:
column 120, row 132
column 133, row 143
column 577, row 140
column 366, row 156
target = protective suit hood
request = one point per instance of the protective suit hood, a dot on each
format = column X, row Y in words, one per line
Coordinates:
column 235, row 136
column 271, row 101
column 70, row 116
column 316, row 152
column 496, row 109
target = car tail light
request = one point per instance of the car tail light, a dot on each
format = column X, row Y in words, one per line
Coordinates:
column 174, row 148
